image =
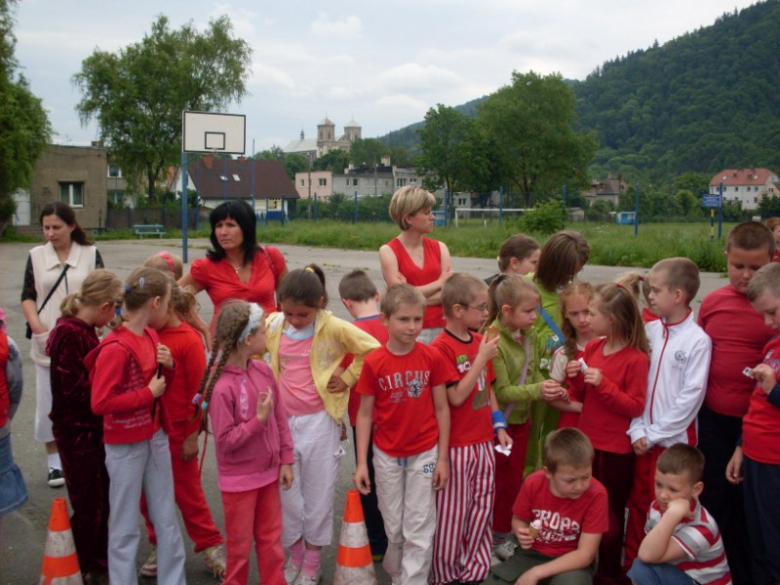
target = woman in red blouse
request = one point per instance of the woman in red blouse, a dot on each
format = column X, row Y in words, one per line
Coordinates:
column 412, row 258
column 238, row 267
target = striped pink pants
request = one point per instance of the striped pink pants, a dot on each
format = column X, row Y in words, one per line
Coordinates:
column 462, row 545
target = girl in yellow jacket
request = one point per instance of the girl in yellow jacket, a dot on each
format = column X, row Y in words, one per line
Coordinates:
column 306, row 345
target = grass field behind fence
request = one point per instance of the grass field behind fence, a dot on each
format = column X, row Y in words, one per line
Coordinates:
column 611, row 244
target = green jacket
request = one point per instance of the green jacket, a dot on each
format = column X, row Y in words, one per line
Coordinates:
column 546, row 344
column 508, row 367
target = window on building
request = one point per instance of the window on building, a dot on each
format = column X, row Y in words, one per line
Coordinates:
column 323, row 182
column 274, row 204
column 236, row 178
column 114, row 172
column 400, row 182
column 72, row 194
column 303, row 182
column 354, row 182
column 413, row 181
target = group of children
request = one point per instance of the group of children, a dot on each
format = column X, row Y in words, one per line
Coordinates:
column 551, row 425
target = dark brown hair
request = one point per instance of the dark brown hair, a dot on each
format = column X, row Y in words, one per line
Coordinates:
column 518, row 246
column 66, row 214
column 680, row 273
column 509, row 289
column 143, row 285
column 305, row 286
column 751, row 235
column 357, row 286
column 681, row 458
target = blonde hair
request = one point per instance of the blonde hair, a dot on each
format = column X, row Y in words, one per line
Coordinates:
column 143, row 285
column 619, row 304
column 510, row 289
column 518, row 246
column 579, row 288
column 460, row 289
column 230, row 325
column 639, row 285
column 100, row 286
column 766, row 278
column 400, row 294
column 166, row 262
column 567, row 446
column 408, row 201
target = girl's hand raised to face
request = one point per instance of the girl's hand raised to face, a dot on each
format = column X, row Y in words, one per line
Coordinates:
column 265, row 404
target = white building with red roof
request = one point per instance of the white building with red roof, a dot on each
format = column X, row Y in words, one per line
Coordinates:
column 746, row 186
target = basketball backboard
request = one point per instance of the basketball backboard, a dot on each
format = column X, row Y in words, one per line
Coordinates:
column 212, row 132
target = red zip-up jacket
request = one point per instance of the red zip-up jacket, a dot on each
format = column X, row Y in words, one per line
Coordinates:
column 120, row 369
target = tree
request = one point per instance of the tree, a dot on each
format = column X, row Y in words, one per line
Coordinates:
column 273, row 153
column 336, row 161
column 531, row 122
column 367, row 152
column 24, row 126
column 295, row 163
column 138, row 94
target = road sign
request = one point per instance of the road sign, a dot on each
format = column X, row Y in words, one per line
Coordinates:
column 711, row 200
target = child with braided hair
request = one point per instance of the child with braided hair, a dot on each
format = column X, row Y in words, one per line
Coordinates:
column 254, row 447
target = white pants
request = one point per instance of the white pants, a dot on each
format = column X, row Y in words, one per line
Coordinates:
column 404, row 488
column 307, row 507
column 133, row 467
column 43, row 432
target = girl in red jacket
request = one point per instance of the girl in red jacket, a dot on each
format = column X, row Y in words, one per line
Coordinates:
column 254, row 446
column 77, row 430
column 126, row 377
column 612, row 379
column 183, row 427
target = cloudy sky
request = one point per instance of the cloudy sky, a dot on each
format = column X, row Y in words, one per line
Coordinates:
column 383, row 63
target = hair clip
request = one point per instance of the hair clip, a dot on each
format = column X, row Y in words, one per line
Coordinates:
column 118, row 311
column 141, row 282
column 168, row 260
column 197, row 398
column 620, row 284
column 205, row 405
column 128, row 287
column 309, row 269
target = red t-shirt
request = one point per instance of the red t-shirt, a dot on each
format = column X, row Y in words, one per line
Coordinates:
column 738, row 336
column 648, row 316
column 376, row 329
column 607, row 410
column 761, row 425
column 416, row 276
column 471, row 423
column 563, row 519
column 189, row 358
column 220, row 281
column 404, row 415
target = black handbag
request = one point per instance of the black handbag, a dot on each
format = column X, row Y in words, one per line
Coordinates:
column 28, row 332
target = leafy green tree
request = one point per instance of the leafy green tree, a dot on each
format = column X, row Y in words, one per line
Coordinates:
column 531, row 122
column 368, row 152
column 696, row 183
column 400, row 157
column 687, row 203
column 24, row 126
column 769, row 207
column 335, row 161
column 295, row 163
column 138, row 94
column 273, row 153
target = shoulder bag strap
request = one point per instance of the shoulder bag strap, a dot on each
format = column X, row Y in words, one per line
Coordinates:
column 56, row 284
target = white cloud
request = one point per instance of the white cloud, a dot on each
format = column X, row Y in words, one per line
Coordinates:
column 401, row 103
column 323, row 26
column 414, row 76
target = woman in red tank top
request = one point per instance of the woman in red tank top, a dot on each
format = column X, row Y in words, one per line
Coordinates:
column 415, row 259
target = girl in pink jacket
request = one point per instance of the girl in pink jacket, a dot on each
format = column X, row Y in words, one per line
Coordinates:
column 254, row 447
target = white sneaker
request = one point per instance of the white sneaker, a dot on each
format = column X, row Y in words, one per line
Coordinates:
column 291, row 572
column 505, row 550
column 309, row 580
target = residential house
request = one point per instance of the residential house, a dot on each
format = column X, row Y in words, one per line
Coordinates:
column 745, row 186
column 608, row 189
column 261, row 183
column 73, row 174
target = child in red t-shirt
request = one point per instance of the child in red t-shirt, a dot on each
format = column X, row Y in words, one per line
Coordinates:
column 402, row 388
column 613, row 386
column 360, row 297
column 463, row 540
column 757, row 460
column 558, row 516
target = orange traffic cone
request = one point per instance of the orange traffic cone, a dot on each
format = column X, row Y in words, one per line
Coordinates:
column 354, row 565
column 60, row 563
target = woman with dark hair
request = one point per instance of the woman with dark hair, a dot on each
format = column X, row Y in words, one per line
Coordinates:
column 53, row 271
column 238, row 267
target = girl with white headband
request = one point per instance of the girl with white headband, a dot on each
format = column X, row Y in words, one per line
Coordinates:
column 254, row 448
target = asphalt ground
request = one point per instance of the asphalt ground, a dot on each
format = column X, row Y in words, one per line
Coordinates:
column 23, row 533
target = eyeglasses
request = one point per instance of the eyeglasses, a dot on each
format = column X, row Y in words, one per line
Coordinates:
column 481, row 308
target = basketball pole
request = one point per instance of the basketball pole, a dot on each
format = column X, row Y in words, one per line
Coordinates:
column 185, row 219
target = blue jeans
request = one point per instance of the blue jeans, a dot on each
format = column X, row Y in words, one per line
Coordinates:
column 665, row 574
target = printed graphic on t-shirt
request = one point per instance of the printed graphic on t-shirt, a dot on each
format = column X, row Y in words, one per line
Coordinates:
column 409, row 383
column 463, row 365
column 557, row 528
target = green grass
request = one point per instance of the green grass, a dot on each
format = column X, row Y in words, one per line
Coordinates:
column 611, row 244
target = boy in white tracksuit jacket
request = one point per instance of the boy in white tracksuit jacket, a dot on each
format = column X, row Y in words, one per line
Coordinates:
column 680, row 353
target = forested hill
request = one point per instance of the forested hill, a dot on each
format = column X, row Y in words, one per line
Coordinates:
column 704, row 101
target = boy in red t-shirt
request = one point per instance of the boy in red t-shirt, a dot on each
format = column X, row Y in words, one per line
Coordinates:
column 360, row 297
column 757, row 460
column 738, row 336
column 463, row 541
column 403, row 393
column 558, row 517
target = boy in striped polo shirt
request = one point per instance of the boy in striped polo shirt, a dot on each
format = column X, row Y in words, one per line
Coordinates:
column 683, row 543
